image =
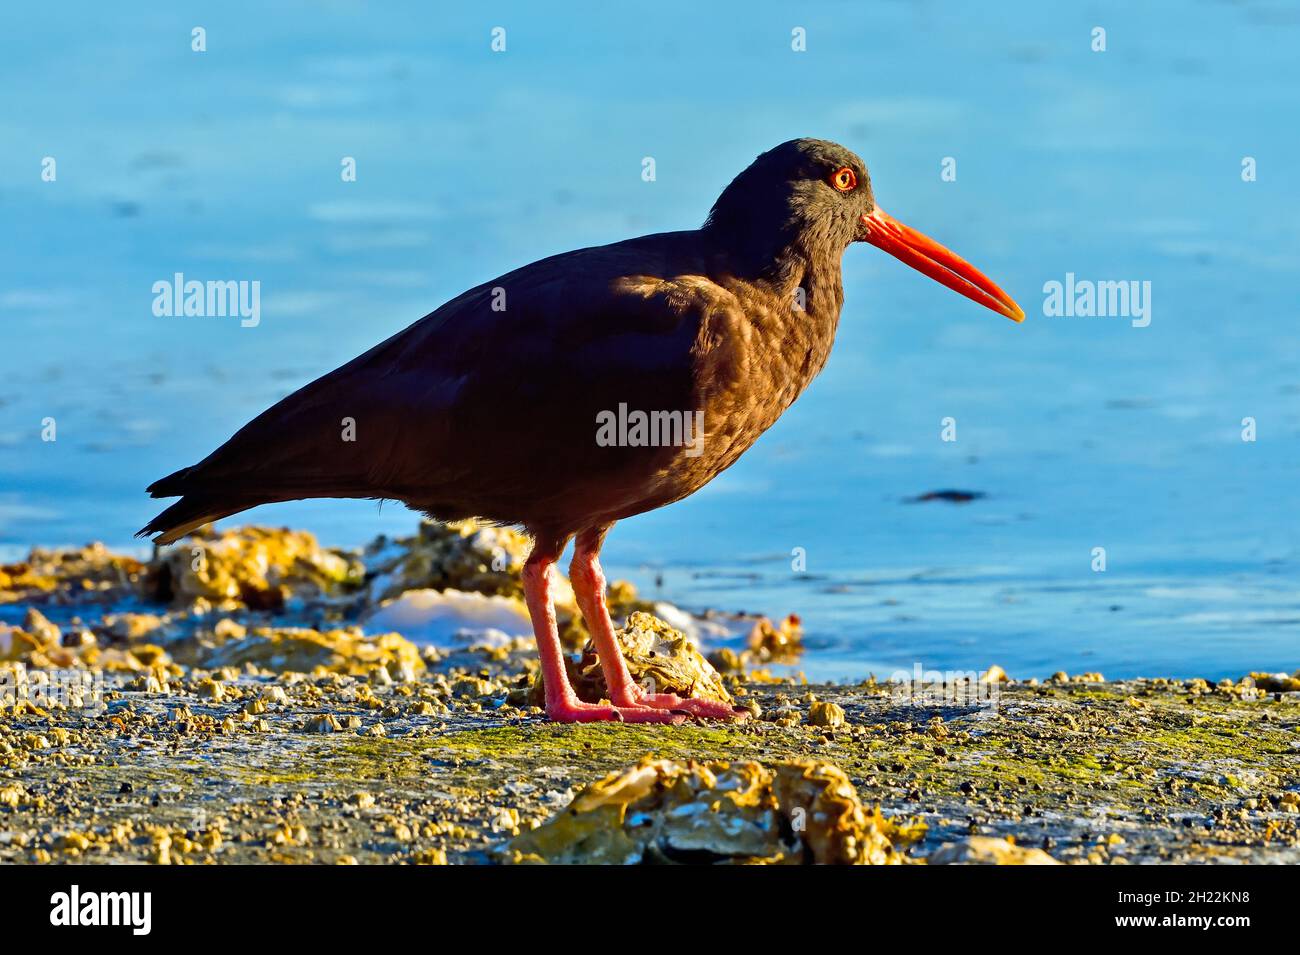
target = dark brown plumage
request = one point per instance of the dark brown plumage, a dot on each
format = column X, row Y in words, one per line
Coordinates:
column 488, row 406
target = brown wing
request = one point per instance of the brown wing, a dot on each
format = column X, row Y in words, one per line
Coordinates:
column 485, row 407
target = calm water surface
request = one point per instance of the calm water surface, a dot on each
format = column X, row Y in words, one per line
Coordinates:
column 1081, row 432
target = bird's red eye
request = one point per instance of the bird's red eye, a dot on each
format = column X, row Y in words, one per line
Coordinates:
column 844, row 179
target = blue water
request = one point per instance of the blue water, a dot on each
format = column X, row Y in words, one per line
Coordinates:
column 1082, row 432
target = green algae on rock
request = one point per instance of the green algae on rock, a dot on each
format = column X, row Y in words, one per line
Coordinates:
column 660, row 811
column 300, row 739
column 1140, row 771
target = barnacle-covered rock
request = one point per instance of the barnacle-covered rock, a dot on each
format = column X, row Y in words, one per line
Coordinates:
column 41, row 628
column 322, row 723
column 137, row 658
column 659, row 657
column 465, row 555
column 660, row 811
column 70, row 576
column 1276, row 682
column 132, row 627
column 985, row 850
column 623, row 600
column 257, row 567
column 823, row 713
column 767, row 643
column 303, row 650
column 38, row 642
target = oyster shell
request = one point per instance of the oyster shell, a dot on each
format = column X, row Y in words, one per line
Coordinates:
column 660, row 811
column 659, row 657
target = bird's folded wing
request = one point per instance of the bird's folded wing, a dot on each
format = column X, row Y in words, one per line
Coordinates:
column 511, row 369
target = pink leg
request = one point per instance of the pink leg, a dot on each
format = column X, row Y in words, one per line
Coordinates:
column 562, row 704
column 589, row 589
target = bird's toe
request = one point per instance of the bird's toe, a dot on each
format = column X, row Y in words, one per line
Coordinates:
column 593, row 713
column 695, row 708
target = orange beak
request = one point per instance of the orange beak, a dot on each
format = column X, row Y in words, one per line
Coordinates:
column 925, row 255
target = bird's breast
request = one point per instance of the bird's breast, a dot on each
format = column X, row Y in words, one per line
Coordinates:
column 748, row 351
column 753, row 362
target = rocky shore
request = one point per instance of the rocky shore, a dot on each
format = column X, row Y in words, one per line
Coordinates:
column 253, row 697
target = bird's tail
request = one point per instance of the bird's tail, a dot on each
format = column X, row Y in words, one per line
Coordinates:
column 191, row 511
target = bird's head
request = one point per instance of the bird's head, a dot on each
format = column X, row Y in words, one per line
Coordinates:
column 815, row 196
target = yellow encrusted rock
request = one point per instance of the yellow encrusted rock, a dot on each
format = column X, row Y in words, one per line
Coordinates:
column 257, row 567
column 303, row 650
column 986, row 850
column 659, row 657
column 661, row 811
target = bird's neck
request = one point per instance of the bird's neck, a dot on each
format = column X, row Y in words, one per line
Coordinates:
column 811, row 280
column 802, row 273
column 800, row 311
column 815, row 282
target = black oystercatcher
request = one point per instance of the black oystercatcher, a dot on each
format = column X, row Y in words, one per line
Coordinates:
column 502, row 403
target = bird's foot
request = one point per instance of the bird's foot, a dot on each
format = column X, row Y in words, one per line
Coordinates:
column 577, row 712
column 700, row 709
